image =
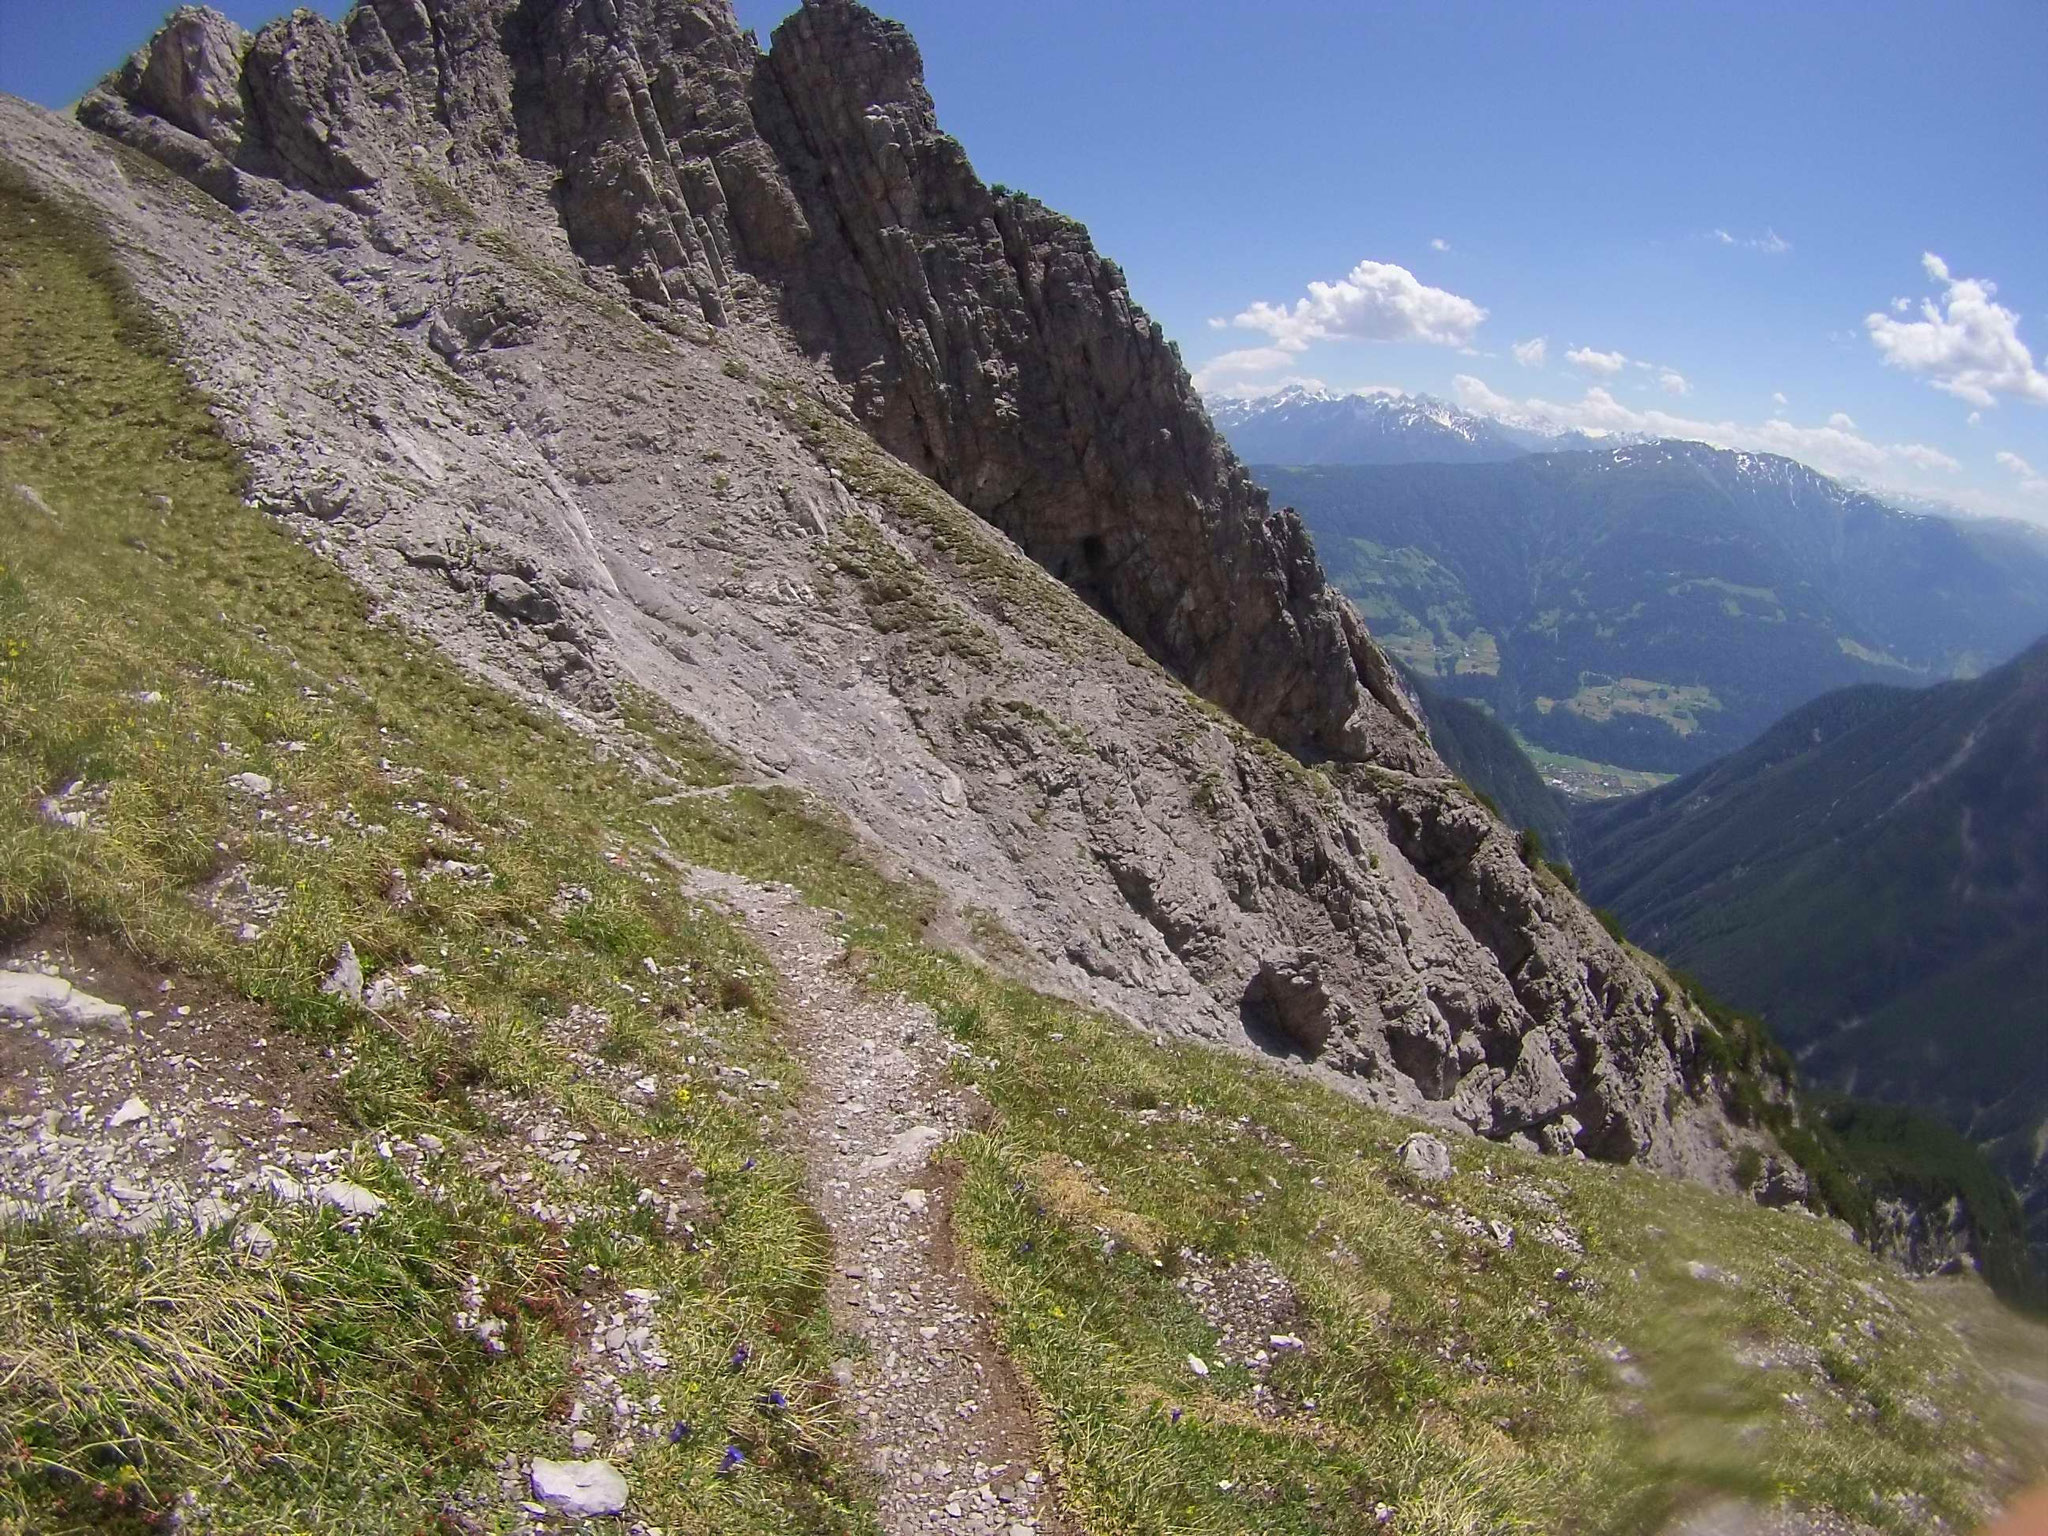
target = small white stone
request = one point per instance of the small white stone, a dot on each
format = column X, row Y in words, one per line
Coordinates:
column 915, row 1201
column 346, row 979
column 209, row 1212
column 586, row 1488
column 349, row 1199
column 1198, row 1365
column 1427, row 1158
column 32, row 997
column 250, row 783
column 131, row 1110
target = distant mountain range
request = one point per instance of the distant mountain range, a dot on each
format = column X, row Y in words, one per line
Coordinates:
column 1870, row 875
column 1656, row 605
column 1312, row 426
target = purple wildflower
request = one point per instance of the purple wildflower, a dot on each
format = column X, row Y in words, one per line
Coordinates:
column 679, row 1433
column 731, row 1461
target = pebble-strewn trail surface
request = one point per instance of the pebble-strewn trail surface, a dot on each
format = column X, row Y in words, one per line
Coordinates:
column 940, row 1412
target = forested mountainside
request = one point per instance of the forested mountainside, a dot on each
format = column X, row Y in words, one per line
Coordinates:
column 1660, row 604
column 1871, row 875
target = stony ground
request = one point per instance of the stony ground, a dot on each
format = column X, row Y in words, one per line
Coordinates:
column 134, row 1102
column 941, row 1412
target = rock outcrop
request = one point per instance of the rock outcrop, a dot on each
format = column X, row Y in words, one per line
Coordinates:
column 612, row 352
column 991, row 347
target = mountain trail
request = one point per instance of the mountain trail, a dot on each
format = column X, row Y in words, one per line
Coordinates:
column 945, row 1421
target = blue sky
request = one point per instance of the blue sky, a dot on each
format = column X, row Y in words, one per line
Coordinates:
column 1717, row 207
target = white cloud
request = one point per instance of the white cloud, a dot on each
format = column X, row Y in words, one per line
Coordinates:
column 2032, row 482
column 1375, row 301
column 1841, row 423
column 1439, row 244
column 1920, row 456
column 1233, row 373
column 1533, row 353
column 1609, row 363
column 1779, row 399
column 1672, row 382
column 1974, row 419
column 1967, row 344
column 1770, row 242
column 1833, row 449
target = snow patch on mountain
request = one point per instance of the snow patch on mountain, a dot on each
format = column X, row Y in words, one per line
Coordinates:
column 1303, row 424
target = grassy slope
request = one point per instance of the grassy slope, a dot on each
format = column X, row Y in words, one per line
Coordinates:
column 1455, row 1382
column 330, row 1390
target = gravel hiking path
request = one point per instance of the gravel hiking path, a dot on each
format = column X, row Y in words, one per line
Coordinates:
column 947, row 1427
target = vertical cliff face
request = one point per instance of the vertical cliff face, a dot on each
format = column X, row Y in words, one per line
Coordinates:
column 586, row 300
column 990, row 346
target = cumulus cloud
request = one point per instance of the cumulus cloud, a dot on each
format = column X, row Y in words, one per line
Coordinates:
column 1439, row 244
column 1533, row 353
column 1965, row 343
column 1841, row 422
column 1833, row 449
column 1778, row 399
column 1374, row 301
column 1609, row 363
column 1672, row 382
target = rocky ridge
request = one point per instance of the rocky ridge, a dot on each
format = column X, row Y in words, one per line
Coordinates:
column 571, row 332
